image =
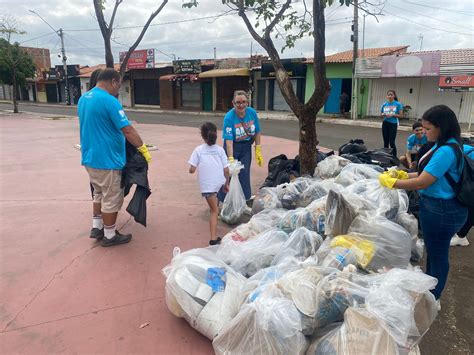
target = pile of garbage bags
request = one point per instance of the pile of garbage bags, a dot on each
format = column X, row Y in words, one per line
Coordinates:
column 323, row 266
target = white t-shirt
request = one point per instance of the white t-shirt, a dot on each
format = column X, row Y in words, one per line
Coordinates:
column 210, row 162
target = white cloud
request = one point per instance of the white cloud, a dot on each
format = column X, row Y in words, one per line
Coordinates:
column 196, row 39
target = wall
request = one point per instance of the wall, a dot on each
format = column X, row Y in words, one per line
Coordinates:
column 125, row 97
column 333, row 71
column 166, row 94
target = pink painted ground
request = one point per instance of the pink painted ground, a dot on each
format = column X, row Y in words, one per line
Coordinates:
column 60, row 290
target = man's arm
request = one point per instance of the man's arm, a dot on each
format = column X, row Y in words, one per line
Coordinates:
column 257, row 138
column 229, row 148
column 408, row 155
column 132, row 136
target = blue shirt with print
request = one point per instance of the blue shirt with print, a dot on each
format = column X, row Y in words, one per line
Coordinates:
column 101, row 118
column 444, row 160
column 240, row 129
column 414, row 144
column 392, row 108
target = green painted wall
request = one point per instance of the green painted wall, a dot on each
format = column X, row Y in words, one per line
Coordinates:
column 339, row 71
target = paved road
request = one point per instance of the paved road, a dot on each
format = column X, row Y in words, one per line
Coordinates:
column 453, row 331
column 329, row 135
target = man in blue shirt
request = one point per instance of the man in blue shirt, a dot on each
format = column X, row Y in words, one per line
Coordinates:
column 103, row 129
column 414, row 143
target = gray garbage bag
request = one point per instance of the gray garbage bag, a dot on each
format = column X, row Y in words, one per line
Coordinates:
column 313, row 192
column 234, row 203
column 352, row 173
column 360, row 333
column 330, row 167
column 202, row 289
column 271, row 324
column 301, row 244
column 410, row 223
column 339, row 214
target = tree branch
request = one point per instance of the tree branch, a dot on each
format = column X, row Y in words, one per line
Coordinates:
column 101, row 19
column 112, row 19
column 140, row 37
column 277, row 18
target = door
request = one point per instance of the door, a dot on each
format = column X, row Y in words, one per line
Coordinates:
column 279, row 103
column 51, row 93
column 146, row 92
column 261, row 93
column 206, row 95
column 332, row 103
column 191, row 94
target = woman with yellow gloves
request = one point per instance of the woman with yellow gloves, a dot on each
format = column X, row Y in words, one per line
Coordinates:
column 441, row 215
column 240, row 130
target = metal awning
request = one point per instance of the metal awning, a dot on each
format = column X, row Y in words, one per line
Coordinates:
column 180, row 77
column 215, row 73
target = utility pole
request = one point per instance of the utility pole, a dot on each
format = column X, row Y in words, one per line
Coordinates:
column 355, row 40
column 63, row 53
column 363, row 38
column 420, row 37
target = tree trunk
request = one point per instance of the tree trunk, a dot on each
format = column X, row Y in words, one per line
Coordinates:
column 109, row 57
column 15, row 103
column 308, row 143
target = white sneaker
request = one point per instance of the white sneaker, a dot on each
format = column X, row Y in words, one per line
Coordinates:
column 455, row 240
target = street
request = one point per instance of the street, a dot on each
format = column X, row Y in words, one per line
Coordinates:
column 65, row 303
column 329, row 135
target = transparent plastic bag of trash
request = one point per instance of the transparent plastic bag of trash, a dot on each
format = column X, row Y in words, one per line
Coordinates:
column 202, row 289
column 266, row 198
column 259, row 223
column 401, row 300
column 318, row 210
column 254, row 254
column 292, row 193
column 316, row 190
column 234, row 204
column 330, row 167
column 380, row 243
column 339, row 213
column 410, row 223
column 293, row 219
column 385, row 202
column 360, row 333
column 271, row 324
column 335, row 293
column 352, row 173
column 301, row 244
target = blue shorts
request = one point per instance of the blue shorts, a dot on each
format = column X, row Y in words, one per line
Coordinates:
column 209, row 194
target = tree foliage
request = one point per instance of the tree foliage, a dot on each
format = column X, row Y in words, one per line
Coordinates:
column 12, row 55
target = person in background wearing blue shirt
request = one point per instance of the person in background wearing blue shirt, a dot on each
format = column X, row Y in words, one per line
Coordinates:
column 441, row 215
column 391, row 111
column 414, row 143
column 103, row 129
column 241, row 129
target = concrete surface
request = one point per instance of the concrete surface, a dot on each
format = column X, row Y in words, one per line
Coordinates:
column 62, row 292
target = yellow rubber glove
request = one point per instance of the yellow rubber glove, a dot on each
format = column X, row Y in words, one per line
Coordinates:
column 230, row 159
column 146, row 154
column 398, row 174
column 386, row 180
column 258, row 155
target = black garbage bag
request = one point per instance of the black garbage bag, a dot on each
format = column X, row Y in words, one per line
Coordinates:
column 354, row 146
column 383, row 157
column 320, row 156
column 352, row 158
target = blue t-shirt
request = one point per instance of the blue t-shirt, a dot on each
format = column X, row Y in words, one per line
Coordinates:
column 444, row 160
column 240, row 129
column 101, row 118
column 414, row 144
column 392, row 108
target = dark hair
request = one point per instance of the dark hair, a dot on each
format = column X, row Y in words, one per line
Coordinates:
column 394, row 94
column 209, row 133
column 93, row 79
column 416, row 125
column 108, row 74
column 442, row 117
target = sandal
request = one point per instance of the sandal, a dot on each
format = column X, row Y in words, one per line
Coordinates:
column 215, row 242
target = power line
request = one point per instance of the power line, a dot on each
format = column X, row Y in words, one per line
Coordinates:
column 154, row 24
column 32, row 39
column 433, row 28
column 433, row 18
column 466, row 13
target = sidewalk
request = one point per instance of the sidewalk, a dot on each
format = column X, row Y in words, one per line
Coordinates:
column 405, row 125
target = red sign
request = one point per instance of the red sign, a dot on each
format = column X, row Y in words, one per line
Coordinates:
column 462, row 81
column 141, row 59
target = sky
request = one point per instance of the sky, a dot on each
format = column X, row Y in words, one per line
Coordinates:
column 194, row 33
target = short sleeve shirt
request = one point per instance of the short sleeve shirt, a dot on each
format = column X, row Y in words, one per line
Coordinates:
column 210, row 162
column 414, row 144
column 240, row 129
column 101, row 119
column 444, row 160
column 391, row 108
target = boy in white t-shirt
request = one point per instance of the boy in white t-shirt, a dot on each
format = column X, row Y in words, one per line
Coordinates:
column 213, row 172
